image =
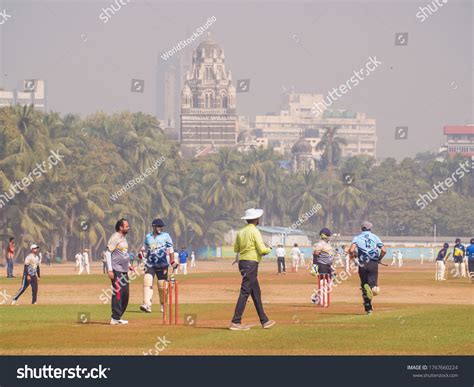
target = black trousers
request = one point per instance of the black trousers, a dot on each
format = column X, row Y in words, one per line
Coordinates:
column 249, row 287
column 368, row 274
column 281, row 264
column 120, row 294
column 24, row 285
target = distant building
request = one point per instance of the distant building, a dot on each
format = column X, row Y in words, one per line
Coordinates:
column 208, row 100
column 32, row 93
column 297, row 117
column 460, row 140
column 302, row 156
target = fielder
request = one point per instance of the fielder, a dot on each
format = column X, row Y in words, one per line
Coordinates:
column 79, row 263
column 295, row 255
column 441, row 259
column 183, row 261
column 193, row 259
column 31, row 275
column 370, row 251
column 323, row 258
column 85, row 260
column 158, row 245
column 459, row 251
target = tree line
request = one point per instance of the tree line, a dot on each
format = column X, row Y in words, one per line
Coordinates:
column 70, row 205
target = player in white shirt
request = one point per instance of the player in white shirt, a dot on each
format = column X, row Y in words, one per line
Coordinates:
column 79, row 263
column 280, row 254
column 400, row 258
column 193, row 259
column 295, row 255
column 85, row 260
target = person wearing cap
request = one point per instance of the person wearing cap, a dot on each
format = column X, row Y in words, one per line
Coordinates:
column 280, row 255
column 31, row 274
column 118, row 265
column 323, row 253
column 470, row 259
column 323, row 258
column 250, row 248
column 459, row 251
column 441, row 259
column 368, row 250
column 158, row 246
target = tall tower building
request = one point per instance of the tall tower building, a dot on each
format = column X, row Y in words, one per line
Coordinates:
column 208, row 99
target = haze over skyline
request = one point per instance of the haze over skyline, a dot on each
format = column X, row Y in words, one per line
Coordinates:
column 311, row 47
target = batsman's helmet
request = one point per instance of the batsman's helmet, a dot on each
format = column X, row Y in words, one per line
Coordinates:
column 325, row 232
column 472, row 241
column 446, row 245
column 157, row 223
column 457, row 240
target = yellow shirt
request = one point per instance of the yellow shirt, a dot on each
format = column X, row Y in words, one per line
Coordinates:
column 249, row 244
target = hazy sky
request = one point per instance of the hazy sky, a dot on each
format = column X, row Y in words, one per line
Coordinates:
column 312, row 46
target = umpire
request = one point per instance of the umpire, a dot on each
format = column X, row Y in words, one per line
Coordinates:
column 250, row 248
column 370, row 251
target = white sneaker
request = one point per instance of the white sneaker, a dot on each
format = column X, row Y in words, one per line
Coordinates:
column 162, row 309
column 124, row 322
column 14, row 302
column 376, row 290
column 114, row 321
column 145, row 308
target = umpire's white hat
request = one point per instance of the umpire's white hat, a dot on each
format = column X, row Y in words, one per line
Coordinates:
column 34, row 246
column 252, row 213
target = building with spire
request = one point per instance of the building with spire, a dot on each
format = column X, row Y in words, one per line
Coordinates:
column 208, row 101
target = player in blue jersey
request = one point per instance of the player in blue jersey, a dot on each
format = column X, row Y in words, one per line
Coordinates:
column 470, row 259
column 368, row 250
column 158, row 246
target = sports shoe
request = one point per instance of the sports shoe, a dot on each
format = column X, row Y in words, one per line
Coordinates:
column 376, row 290
column 268, row 324
column 162, row 308
column 14, row 302
column 368, row 291
column 123, row 322
column 238, row 327
column 114, row 321
column 145, row 308
column 369, row 312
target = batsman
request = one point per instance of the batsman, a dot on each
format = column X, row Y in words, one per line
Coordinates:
column 158, row 246
column 370, row 251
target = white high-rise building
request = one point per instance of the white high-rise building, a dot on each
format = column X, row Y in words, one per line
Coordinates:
column 297, row 120
column 32, row 93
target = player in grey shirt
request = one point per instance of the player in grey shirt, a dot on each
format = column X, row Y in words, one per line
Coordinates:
column 118, row 263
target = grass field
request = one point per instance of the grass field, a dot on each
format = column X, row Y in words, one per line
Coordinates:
column 414, row 315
